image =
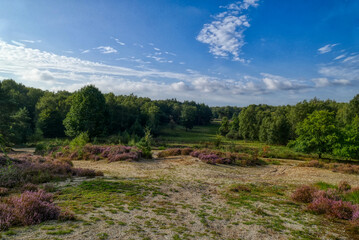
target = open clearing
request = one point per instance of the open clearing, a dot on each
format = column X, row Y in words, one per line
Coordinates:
column 183, row 198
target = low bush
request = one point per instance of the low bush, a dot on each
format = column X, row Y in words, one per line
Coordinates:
column 35, row 170
column 97, row 152
column 3, row 191
column 214, row 156
column 331, row 202
column 304, row 194
column 335, row 167
column 30, row 208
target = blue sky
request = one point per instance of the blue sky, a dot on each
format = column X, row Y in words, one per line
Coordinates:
column 216, row 52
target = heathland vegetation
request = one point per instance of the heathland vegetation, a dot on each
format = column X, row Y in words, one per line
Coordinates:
column 170, row 169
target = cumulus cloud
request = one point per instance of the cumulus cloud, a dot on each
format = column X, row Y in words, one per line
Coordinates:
column 274, row 82
column 106, row 49
column 225, row 35
column 327, row 48
column 55, row 72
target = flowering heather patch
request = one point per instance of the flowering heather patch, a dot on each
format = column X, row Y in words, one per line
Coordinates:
column 304, row 194
column 37, row 170
column 96, row 152
column 29, row 187
column 329, row 202
column 30, row 208
column 213, row 156
column 84, row 172
column 344, row 186
column 335, row 167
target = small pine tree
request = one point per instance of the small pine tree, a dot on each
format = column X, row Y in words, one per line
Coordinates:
column 145, row 144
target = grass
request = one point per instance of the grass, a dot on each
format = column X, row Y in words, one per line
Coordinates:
column 179, row 135
column 325, row 186
column 114, row 195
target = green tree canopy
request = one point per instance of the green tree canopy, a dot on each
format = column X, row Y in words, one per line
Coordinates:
column 317, row 133
column 87, row 113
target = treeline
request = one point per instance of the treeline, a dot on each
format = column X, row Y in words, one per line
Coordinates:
column 27, row 114
column 227, row 111
column 309, row 126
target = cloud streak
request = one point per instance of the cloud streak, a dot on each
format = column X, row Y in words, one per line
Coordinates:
column 327, row 48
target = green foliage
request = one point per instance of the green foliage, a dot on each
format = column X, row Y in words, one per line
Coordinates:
column 349, row 143
column 81, row 140
column 87, row 113
column 317, row 133
column 145, row 144
column 52, row 109
column 20, row 127
column 248, row 124
column 188, row 116
column 224, row 128
column 275, row 128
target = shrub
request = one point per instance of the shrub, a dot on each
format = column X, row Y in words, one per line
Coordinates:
column 34, row 207
column 29, row 187
column 31, row 169
column 313, row 163
column 7, row 218
column 320, row 205
column 344, row 186
column 84, row 172
column 304, row 194
column 342, row 210
column 81, row 140
column 3, row 191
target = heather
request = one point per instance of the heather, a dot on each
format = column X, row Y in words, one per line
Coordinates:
column 337, row 202
column 112, row 153
column 29, row 208
column 214, row 156
column 335, row 167
column 28, row 169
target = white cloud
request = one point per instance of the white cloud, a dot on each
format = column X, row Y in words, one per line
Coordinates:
column 345, row 72
column 55, row 72
column 119, row 42
column 321, row 82
column 106, row 49
column 327, row 48
column 242, row 5
column 340, row 57
column 274, row 82
column 85, row 51
column 31, row 41
column 18, row 43
column 225, row 34
column 157, row 49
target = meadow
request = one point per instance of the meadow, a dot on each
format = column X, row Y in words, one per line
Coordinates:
column 197, row 186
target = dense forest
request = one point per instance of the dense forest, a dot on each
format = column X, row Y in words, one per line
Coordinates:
column 27, row 114
column 309, row 126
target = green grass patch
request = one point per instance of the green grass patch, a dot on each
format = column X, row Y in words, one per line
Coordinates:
column 102, row 193
column 352, row 196
column 325, row 186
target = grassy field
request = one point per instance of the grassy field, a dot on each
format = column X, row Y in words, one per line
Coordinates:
column 207, row 137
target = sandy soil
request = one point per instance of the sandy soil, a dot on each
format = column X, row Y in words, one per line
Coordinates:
column 195, row 193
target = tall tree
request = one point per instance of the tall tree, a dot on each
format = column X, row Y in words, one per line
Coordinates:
column 87, row 113
column 317, row 133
